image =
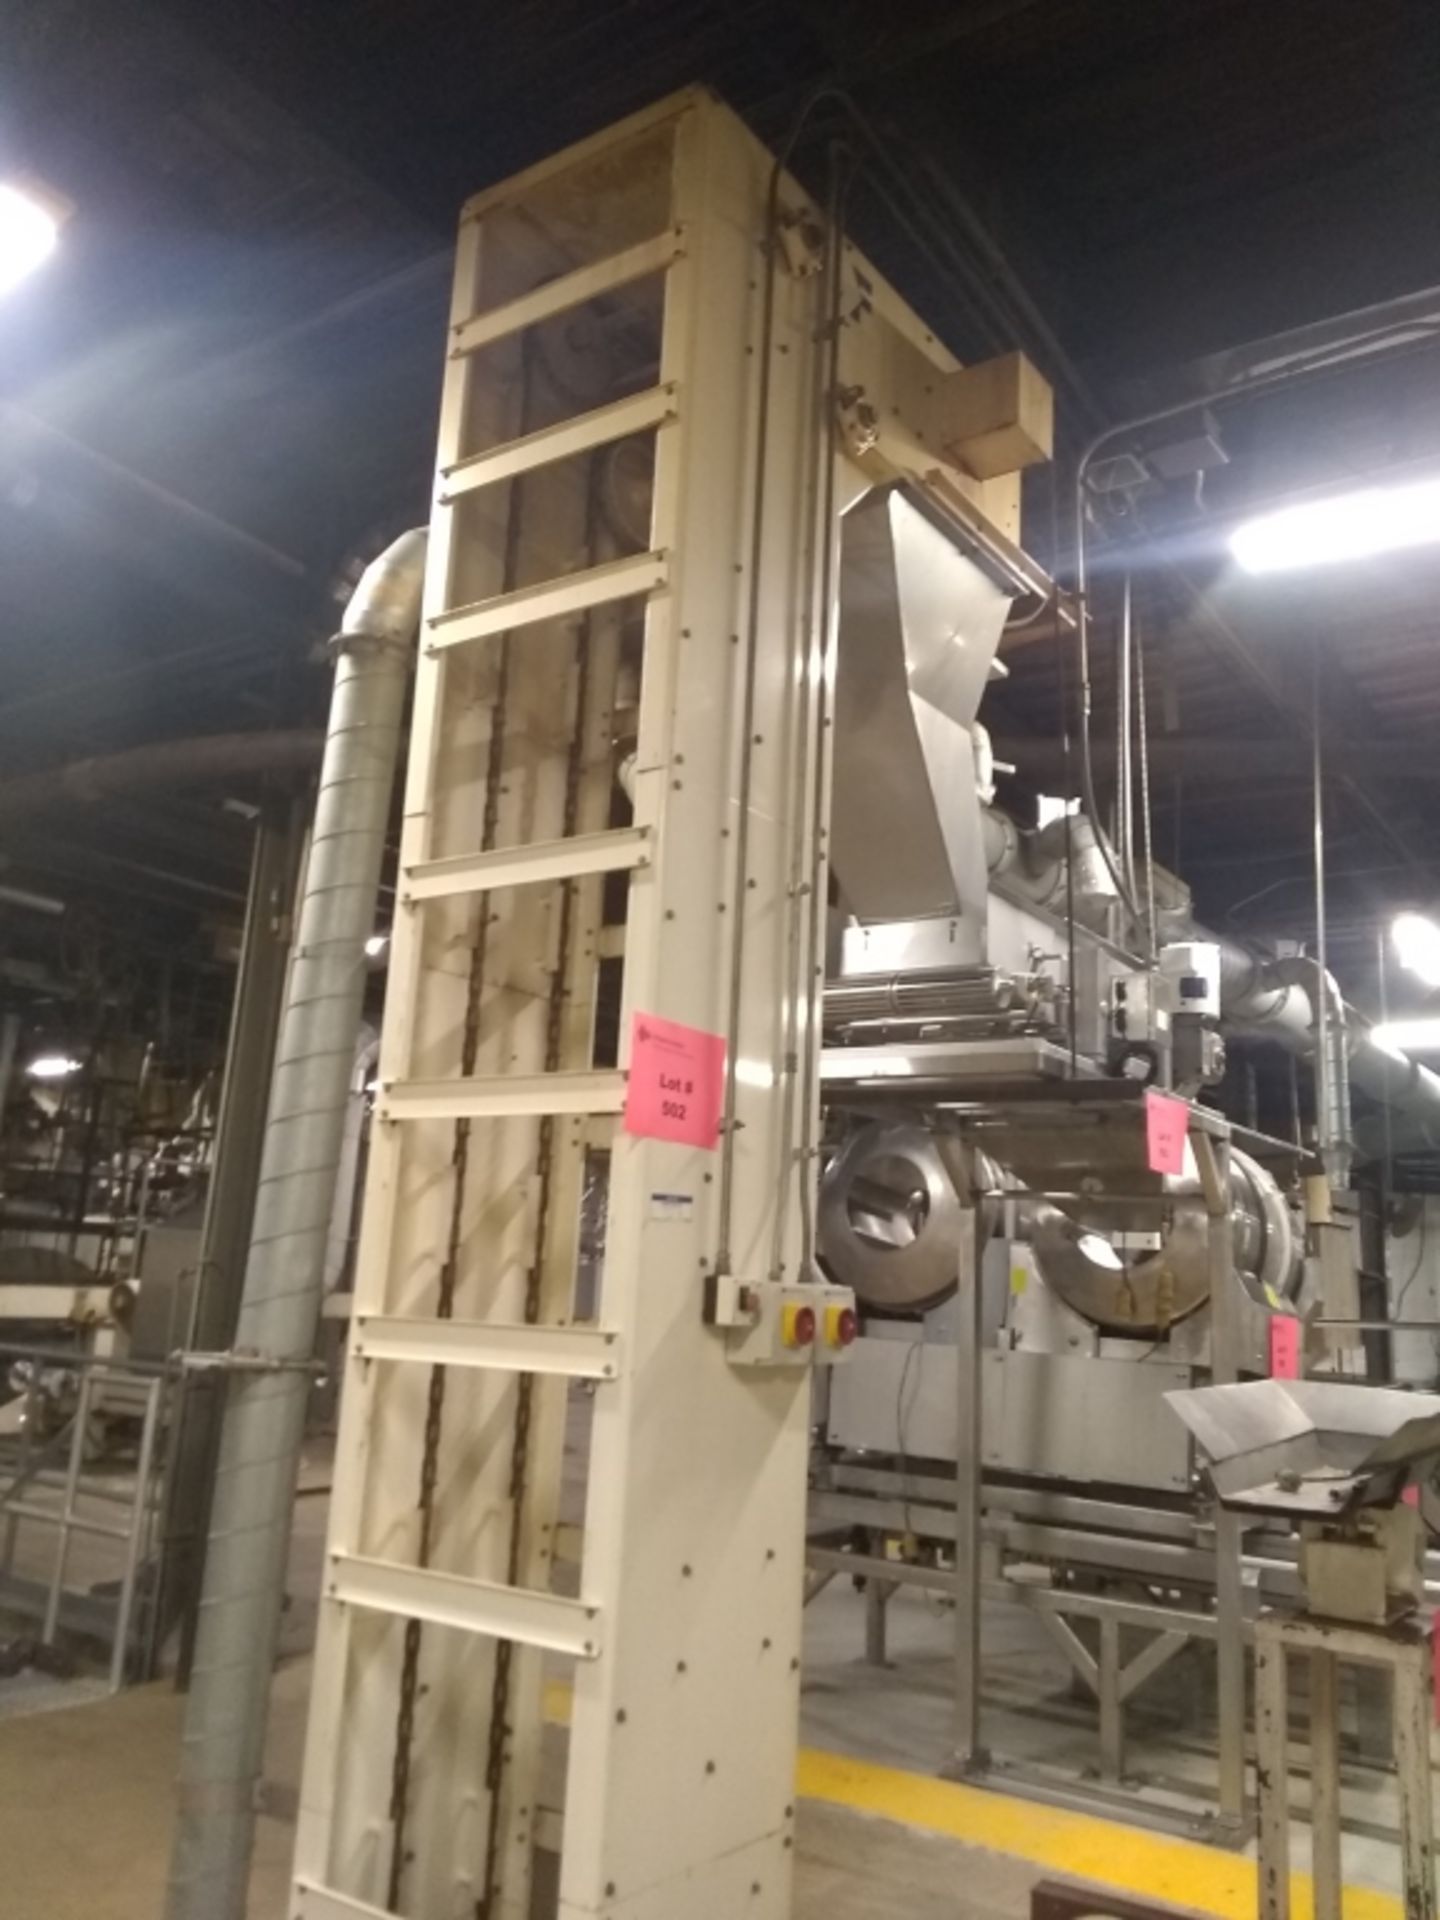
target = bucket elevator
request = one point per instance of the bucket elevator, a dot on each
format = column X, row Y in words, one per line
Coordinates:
column 724, row 1004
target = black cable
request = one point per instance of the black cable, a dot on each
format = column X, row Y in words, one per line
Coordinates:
column 1067, row 781
column 901, row 1422
column 1414, row 1274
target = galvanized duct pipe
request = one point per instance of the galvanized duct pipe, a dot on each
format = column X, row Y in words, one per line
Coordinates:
column 1031, row 866
column 265, row 1411
column 1280, row 999
column 1269, row 999
column 207, row 758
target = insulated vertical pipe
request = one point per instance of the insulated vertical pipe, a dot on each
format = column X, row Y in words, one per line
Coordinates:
column 284, row 1275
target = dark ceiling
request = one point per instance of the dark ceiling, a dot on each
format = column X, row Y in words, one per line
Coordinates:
column 222, row 392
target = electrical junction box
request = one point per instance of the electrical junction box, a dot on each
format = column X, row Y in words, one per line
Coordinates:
column 1190, row 971
column 997, row 417
column 769, row 1324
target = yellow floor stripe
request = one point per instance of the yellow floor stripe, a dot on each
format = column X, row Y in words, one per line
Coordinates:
column 1128, row 1860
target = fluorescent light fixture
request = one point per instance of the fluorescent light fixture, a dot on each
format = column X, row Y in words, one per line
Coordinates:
column 1345, row 526
column 29, row 229
column 52, row 1066
column 377, row 944
column 754, row 1073
column 1416, row 940
column 1421, row 1035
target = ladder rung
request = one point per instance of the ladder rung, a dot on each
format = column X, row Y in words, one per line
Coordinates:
column 507, row 1096
column 569, row 290
column 577, row 1353
column 572, row 858
column 549, row 599
column 532, row 1619
column 634, row 414
column 314, row 1902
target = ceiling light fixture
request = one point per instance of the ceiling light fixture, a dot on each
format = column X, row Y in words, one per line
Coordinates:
column 1416, row 940
column 1345, row 526
column 52, row 1066
column 30, row 222
column 1409, row 1036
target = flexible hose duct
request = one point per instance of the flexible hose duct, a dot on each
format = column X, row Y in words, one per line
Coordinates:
column 284, row 1274
column 935, row 994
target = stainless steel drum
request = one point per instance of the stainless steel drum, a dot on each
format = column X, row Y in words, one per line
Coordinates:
column 890, row 1215
column 890, row 1218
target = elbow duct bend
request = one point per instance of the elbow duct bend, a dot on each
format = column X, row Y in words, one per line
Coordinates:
column 385, row 605
column 1282, row 1000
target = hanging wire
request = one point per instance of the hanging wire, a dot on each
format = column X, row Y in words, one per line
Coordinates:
column 1147, row 822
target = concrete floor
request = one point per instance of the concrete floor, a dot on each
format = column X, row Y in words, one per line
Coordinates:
column 86, row 1802
column 86, row 1790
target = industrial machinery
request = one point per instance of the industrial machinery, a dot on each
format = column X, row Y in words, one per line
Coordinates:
column 1006, row 1044
column 723, row 548
column 1338, row 1463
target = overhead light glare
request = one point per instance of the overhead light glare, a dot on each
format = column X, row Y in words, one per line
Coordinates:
column 1416, row 940
column 377, row 944
column 1346, row 526
column 29, row 230
column 52, row 1066
column 1409, row 1036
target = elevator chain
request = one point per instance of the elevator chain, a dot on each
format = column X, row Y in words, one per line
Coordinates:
column 445, row 1302
column 534, row 1279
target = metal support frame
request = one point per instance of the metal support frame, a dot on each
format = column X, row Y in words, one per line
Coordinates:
column 1403, row 1649
column 1212, row 1156
column 970, row 1752
column 982, row 1541
column 132, row 1532
column 229, row 1205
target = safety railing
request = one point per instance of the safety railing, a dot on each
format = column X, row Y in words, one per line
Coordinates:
column 48, row 1481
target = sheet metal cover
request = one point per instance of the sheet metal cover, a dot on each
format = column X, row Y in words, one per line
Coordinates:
column 919, row 625
column 1338, row 1439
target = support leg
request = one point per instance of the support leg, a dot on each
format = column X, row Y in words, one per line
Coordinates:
column 1412, row 1768
column 1212, row 1157
column 1272, row 1774
column 877, row 1604
column 968, row 1750
column 1230, row 1670
column 1325, row 1783
column 1112, row 1714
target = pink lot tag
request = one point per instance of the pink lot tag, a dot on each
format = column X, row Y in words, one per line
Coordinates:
column 1284, row 1347
column 1167, row 1121
column 676, row 1088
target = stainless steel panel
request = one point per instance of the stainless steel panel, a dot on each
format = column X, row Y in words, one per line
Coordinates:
column 1054, row 1415
column 896, row 1396
column 919, row 624
column 909, row 946
column 1075, row 1418
column 931, row 1063
column 169, row 1271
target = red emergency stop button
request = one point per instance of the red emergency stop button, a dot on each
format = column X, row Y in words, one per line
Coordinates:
column 841, row 1326
column 797, row 1326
